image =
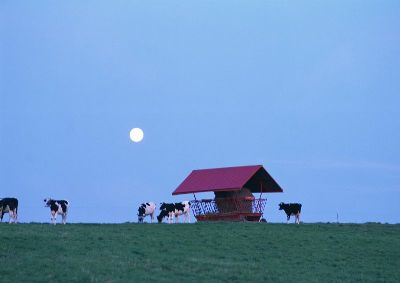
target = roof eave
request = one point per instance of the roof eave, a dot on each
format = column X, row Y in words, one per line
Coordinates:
column 176, row 192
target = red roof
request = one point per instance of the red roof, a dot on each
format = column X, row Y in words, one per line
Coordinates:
column 255, row 178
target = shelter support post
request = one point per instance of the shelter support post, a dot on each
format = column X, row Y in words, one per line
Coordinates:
column 259, row 202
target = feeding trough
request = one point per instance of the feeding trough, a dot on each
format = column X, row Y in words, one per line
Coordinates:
column 233, row 188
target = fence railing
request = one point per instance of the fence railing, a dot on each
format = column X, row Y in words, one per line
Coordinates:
column 227, row 205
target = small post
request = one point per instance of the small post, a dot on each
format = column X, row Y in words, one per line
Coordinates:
column 259, row 202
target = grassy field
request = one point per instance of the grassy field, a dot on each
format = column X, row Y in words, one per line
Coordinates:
column 201, row 252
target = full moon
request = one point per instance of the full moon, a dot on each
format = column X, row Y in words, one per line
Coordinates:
column 136, row 135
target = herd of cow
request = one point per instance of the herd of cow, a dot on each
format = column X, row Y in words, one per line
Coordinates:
column 170, row 211
column 60, row 207
column 57, row 207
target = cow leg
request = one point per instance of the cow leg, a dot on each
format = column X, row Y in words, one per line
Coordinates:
column 288, row 218
column 64, row 218
column 151, row 217
column 11, row 216
column 53, row 217
column 298, row 218
column 15, row 216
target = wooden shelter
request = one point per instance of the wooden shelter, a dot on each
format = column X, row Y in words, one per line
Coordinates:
column 233, row 189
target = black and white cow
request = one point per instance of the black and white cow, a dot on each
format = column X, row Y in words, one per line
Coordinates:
column 291, row 209
column 10, row 206
column 166, row 210
column 172, row 210
column 57, row 207
column 145, row 209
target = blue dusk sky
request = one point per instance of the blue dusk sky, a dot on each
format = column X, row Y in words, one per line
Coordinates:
column 309, row 89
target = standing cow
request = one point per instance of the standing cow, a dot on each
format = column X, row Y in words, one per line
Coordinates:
column 182, row 208
column 10, row 206
column 172, row 210
column 145, row 209
column 291, row 209
column 57, row 207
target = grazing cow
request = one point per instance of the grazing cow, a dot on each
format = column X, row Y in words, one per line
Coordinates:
column 291, row 209
column 57, row 207
column 145, row 209
column 174, row 210
column 166, row 209
column 10, row 206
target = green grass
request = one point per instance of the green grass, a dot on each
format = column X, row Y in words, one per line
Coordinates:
column 201, row 252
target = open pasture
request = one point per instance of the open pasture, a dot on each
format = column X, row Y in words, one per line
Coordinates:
column 201, row 252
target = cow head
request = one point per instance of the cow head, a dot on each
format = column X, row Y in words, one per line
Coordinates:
column 160, row 217
column 163, row 205
column 281, row 205
column 47, row 202
column 141, row 212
